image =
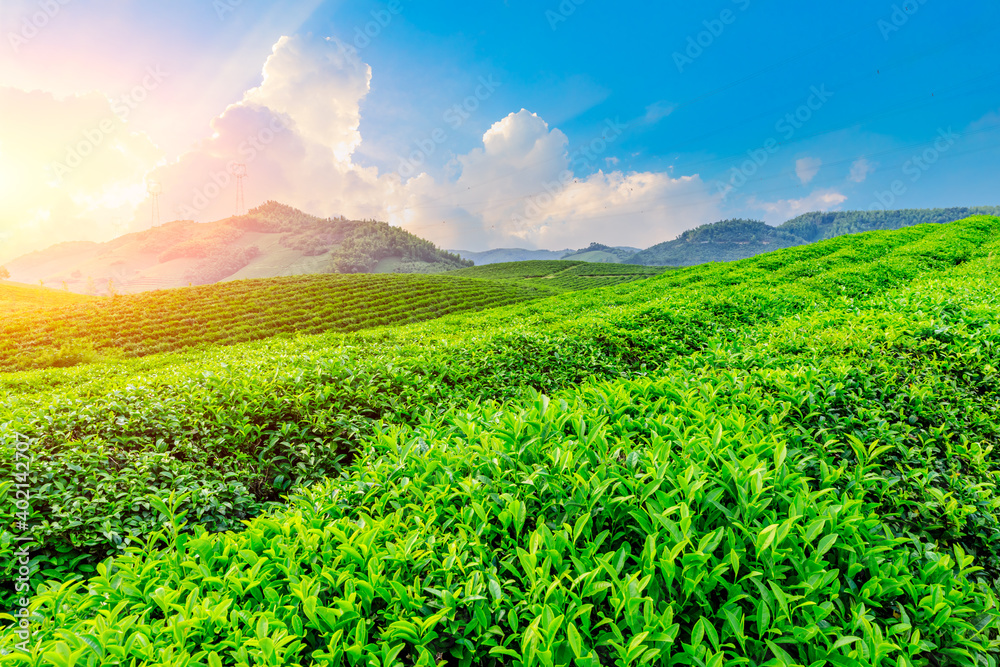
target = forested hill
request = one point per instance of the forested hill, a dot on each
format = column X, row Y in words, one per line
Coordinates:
column 722, row 241
column 271, row 240
column 602, row 254
column 818, row 226
column 352, row 246
column 730, row 240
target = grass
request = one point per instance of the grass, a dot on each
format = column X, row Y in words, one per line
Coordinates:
column 788, row 460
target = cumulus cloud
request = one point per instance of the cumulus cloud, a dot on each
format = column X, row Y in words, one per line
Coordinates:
column 296, row 133
column 860, row 170
column 320, row 86
column 520, row 188
column 806, row 169
column 785, row 209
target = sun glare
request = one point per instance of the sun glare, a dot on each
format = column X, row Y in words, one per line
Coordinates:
column 8, row 178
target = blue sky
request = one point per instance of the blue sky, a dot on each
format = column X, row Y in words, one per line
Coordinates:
column 638, row 121
column 893, row 86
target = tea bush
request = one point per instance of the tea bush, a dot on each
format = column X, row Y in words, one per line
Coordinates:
column 561, row 275
column 283, row 415
column 239, row 311
column 789, row 460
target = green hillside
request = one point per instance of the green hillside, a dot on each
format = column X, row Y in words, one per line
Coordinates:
column 818, row 226
column 598, row 252
column 349, row 246
column 787, row 460
column 15, row 297
column 731, row 240
column 725, row 241
column 233, row 312
column 271, row 240
column 560, row 275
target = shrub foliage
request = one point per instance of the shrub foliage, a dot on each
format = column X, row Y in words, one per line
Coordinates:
column 785, row 461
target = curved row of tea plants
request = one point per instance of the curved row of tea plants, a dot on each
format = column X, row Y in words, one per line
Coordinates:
column 812, row 482
column 567, row 282
column 561, row 275
column 595, row 269
column 532, row 268
column 238, row 311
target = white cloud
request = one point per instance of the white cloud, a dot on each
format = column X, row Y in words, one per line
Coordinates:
column 860, row 170
column 296, row 133
column 320, row 87
column 95, row 45
column 806, row 169
column 519, row 189
column 658, row 111
column 785, row 209
column 516, row 188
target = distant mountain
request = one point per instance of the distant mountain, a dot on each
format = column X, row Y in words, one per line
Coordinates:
column 271, row 240
column 600, row 253
column 500, row 255
column 722, row 241
column 596, row 252
column 730, row 240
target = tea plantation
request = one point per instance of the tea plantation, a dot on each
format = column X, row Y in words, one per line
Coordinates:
column 232, row 312
column 16, row 298
column 560, row 275
column 788, row 460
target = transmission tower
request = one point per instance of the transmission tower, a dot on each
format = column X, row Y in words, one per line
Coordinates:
column 240, row 172
column 155, row 190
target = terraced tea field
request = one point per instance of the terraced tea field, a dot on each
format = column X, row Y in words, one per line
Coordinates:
column 787, row 460
column 561, row 275
column 239, row 311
